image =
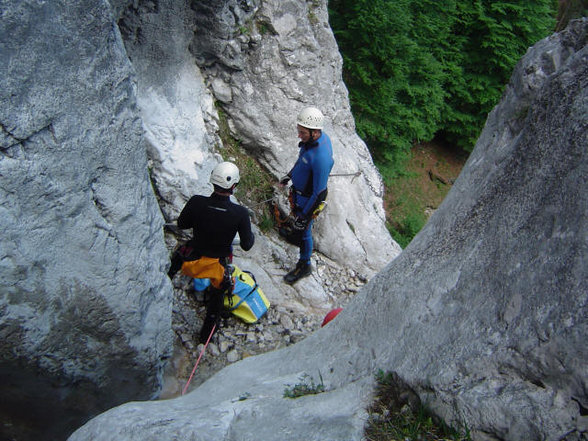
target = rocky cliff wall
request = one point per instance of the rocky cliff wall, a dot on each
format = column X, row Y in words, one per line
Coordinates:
column 84, row 300
column 100, row 100
column 260, row 62
column 483, row 315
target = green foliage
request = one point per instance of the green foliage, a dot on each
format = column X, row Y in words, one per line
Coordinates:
column 256, row 184
column 391, row 419
column 263, row 27
column 415, row 68
column 267, row 221
column 307, row 386
column 395, row 87
column 569, row 10
column 412, row 195
column 409, row 222
column 491, row 37
column 407, row 228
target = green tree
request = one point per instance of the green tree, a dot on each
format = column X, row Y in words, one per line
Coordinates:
column 395, row 86
column 419, row 68
column 490, row 37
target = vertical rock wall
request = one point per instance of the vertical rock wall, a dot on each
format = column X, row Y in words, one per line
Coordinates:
column 84, row 300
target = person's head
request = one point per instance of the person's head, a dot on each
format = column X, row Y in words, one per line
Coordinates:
column 309, row 124
column 225, row 177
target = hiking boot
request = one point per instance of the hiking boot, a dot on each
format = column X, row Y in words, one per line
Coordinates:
column 302, row 269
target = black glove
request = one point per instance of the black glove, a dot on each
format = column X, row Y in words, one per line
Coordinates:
column 300, row 223
column 284, row 180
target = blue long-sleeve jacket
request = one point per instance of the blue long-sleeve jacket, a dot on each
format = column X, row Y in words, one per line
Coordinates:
column 311, row 173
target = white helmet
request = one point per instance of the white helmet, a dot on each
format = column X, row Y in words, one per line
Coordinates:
column 225, row 175
column 311, row 118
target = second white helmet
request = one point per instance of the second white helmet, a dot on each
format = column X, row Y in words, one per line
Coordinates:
column 311, row 118
column 225, row 175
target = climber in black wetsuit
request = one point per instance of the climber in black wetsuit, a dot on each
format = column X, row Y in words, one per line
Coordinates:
column 215, row 220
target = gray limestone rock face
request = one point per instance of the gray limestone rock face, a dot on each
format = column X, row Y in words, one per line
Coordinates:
column 192, row 58
column 264, row 62
column 84, row 299
column 86, row 89
column 483, row 315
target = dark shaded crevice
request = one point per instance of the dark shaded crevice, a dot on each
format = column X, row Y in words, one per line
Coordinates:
column 583, row 409
column 15, row 140
column 10, row 137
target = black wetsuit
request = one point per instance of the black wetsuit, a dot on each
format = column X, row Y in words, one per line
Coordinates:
column 215, row 221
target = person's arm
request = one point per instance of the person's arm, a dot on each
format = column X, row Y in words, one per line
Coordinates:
column 246, row 236
column 320, row 177
column 184, row 220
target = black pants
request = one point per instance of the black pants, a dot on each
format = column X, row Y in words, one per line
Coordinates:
column 176, row 264
column 214, row 309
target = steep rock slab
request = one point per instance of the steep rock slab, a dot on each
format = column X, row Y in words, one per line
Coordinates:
column 484, row 314
column 84, row 299
column 177, row 110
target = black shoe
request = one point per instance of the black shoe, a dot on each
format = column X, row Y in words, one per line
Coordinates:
column 302, row 269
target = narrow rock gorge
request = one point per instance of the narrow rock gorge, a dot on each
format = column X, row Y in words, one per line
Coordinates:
column 110, row 120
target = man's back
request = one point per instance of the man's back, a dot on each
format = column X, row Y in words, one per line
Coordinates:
column 215, row 221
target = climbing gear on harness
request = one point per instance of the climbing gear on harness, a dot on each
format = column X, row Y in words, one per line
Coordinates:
column 318, row 209
column 303, row 269
column 299, row 223
column 311, row 118
column 225, row 175
column 284, row 226
column 291, row 227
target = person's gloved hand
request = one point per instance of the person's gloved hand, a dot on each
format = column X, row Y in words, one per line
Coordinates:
column 284, row 180
column 300, row 223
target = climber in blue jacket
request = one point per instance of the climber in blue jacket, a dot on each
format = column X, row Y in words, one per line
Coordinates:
column 309, row 178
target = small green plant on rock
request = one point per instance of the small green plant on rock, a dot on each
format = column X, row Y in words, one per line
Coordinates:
column 307, row 386
column 256, row 185
column 398, row 414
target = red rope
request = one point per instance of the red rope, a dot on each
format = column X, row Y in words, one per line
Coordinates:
column 198, row 361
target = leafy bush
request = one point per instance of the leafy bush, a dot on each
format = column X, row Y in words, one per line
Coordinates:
column 256, row 184
column 407, row 228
